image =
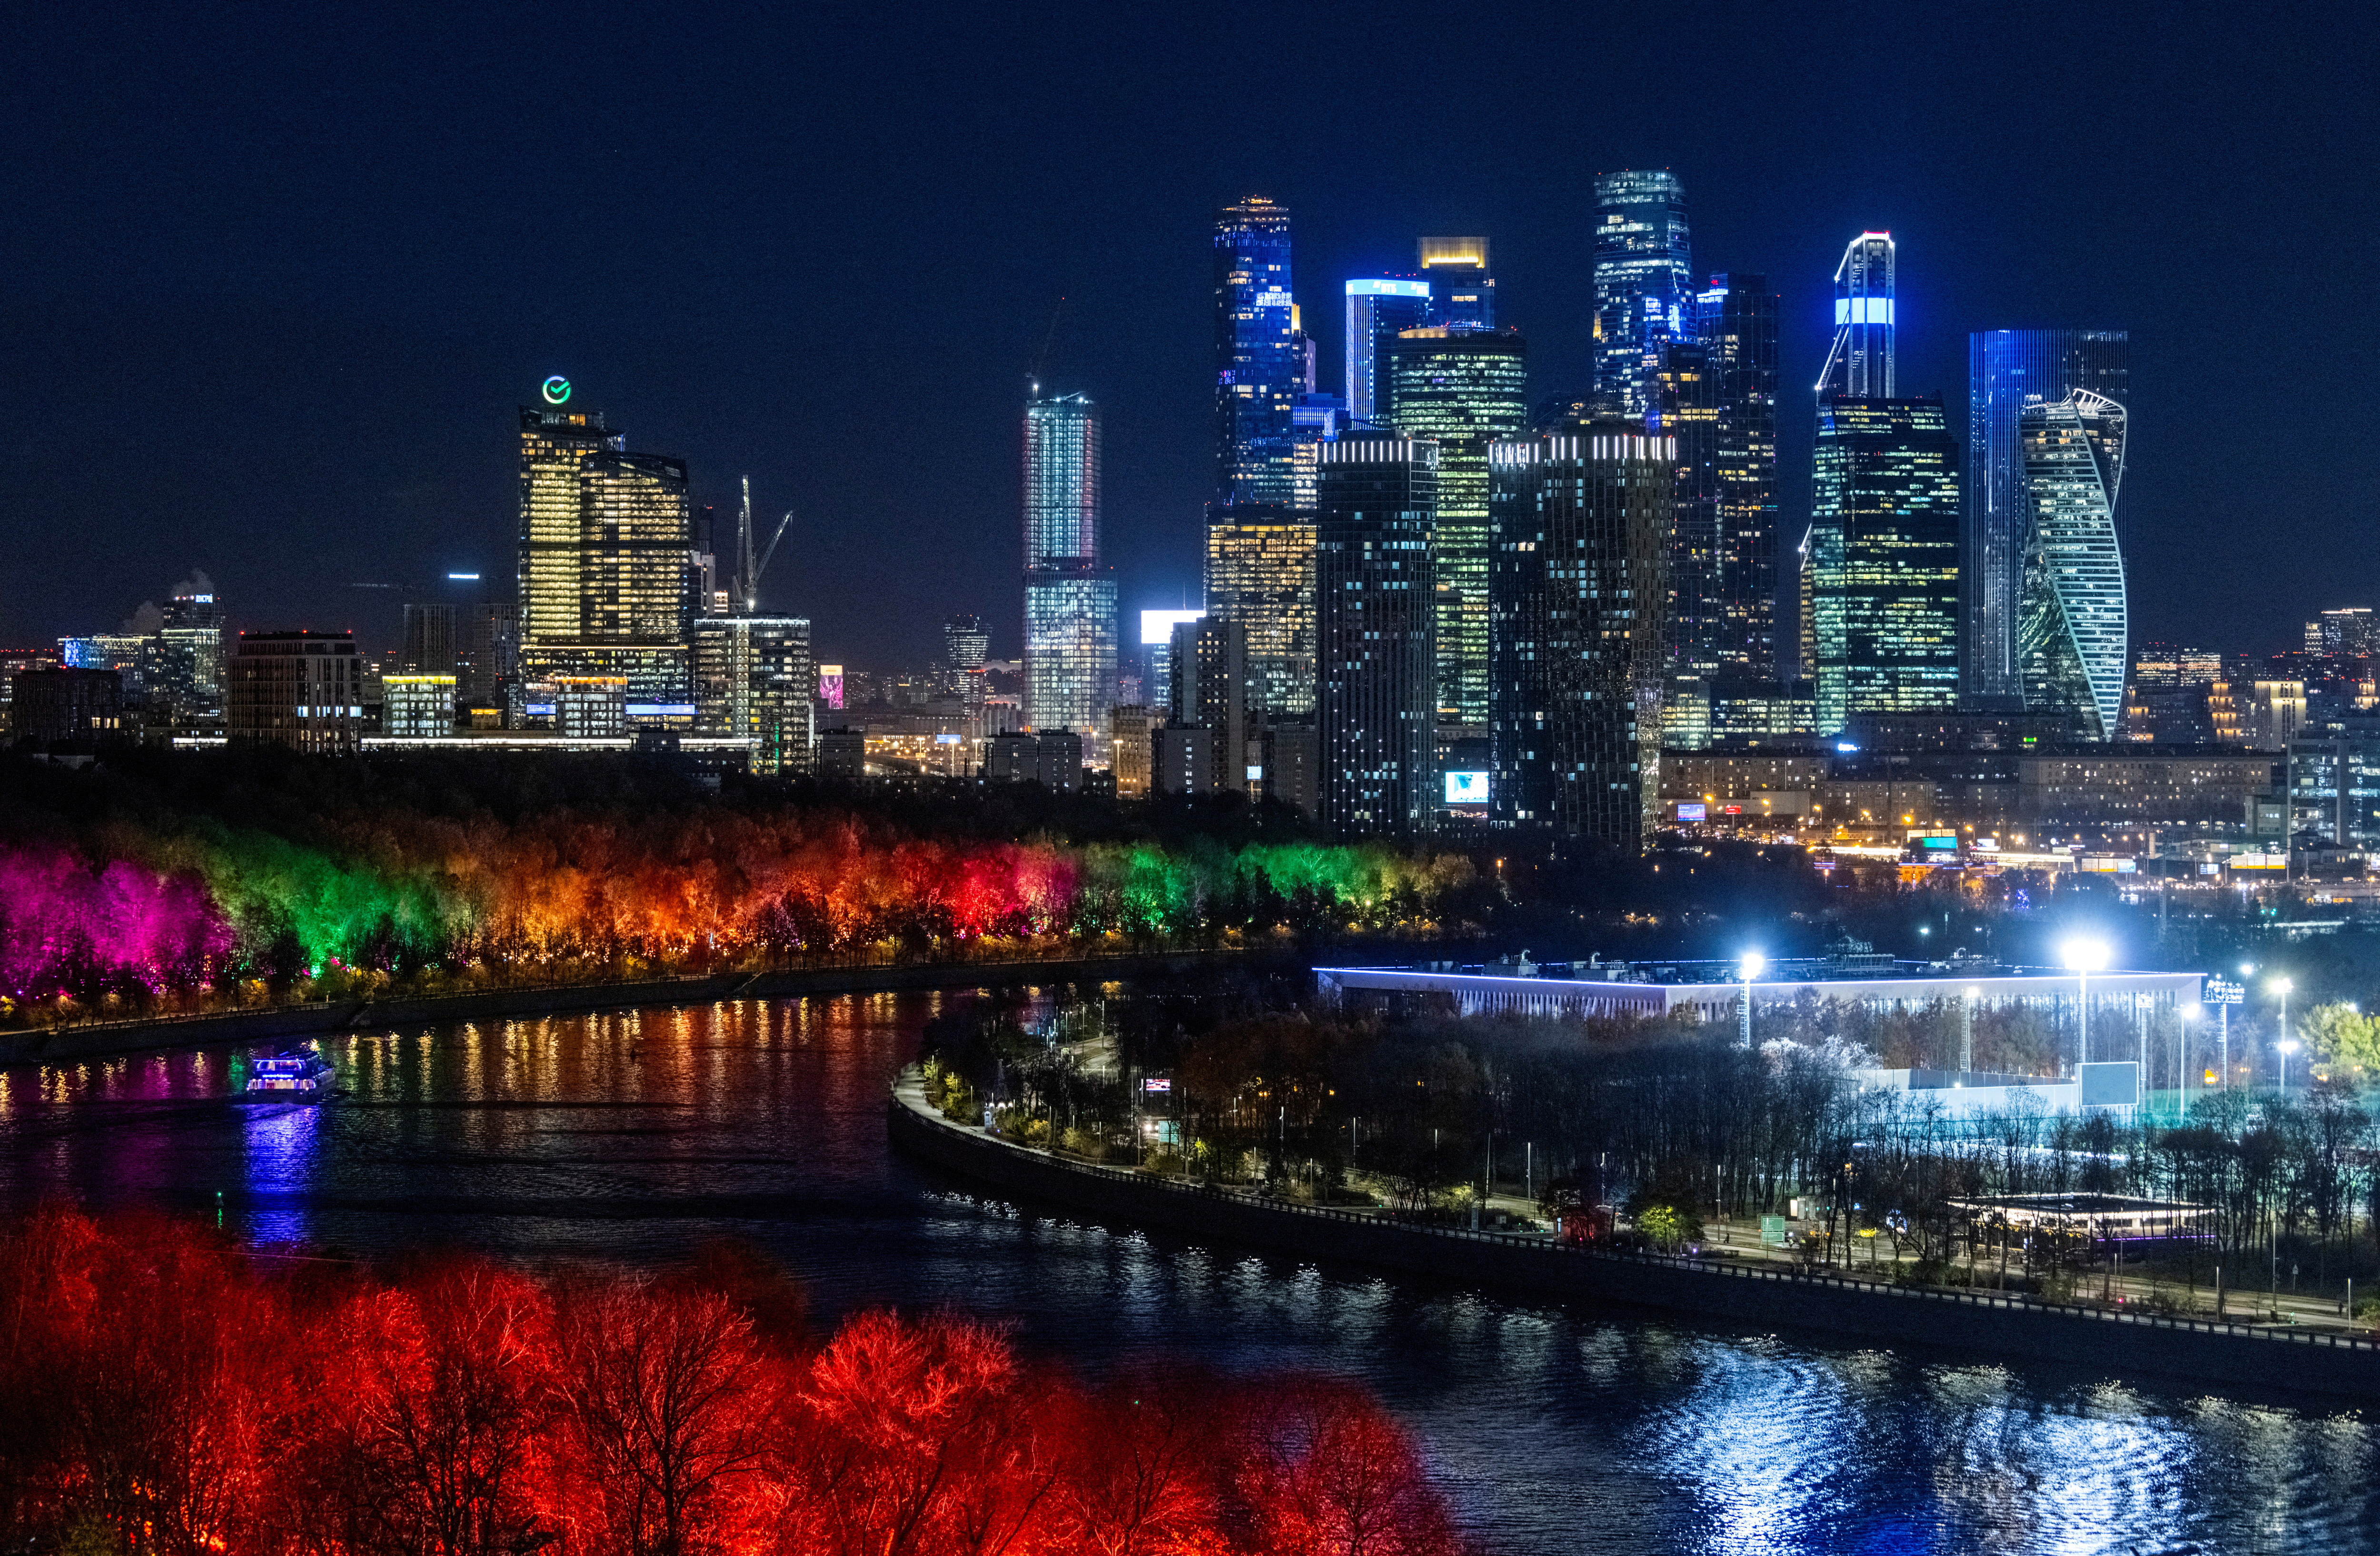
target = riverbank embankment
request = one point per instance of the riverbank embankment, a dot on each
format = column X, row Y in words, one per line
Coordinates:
column 72, row 1044
column 2263, row 1357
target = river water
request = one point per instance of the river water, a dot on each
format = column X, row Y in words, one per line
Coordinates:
column 1552, row 1427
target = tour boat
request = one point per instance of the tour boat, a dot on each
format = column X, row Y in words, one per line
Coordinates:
column 295, row 1075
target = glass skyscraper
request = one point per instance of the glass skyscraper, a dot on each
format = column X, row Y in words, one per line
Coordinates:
column 1259, row 361
column 1378, row 309
column 2007, row 369
column 754, row 678
column 1261, row 575
column 1462, row 390
column 2071, row 628
column 1883, row 559
column 1687, row 413
column 1860, row 362
column 1736, row 318
column 606, row 558
column 1580, row 527
column 1376, row 630
column 1070, row 609
column 1643, row 285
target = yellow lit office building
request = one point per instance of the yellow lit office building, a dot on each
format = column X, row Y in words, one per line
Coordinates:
column 1260, row 574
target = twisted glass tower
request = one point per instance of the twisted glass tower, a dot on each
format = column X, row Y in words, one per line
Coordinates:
column 2007, row 369
column 2072, row 632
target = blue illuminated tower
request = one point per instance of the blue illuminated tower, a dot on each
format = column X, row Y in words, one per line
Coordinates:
column 1070, row 614
column 1860, row 363
column 2008, row 370
column 1378, row 309
column 1643, row 285
column 1260, row 362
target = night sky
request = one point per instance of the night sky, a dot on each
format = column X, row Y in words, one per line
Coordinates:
column 274, row 285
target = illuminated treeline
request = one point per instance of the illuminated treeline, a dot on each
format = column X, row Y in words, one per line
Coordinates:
column 164, row 1397
column 177, row 901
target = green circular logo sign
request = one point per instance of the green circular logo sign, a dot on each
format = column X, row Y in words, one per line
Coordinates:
column 557, row 390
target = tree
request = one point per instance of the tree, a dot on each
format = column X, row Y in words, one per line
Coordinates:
column 2344, row 1034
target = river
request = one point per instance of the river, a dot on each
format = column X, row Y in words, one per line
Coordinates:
column 629, row 1137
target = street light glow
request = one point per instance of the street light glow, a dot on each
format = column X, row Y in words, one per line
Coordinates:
column 2084, row 954
column 2279, row 985
column 1754, row 963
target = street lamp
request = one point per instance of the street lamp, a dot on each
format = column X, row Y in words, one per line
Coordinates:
column 2085, row 956
column 1752, row 965
column 2287, row 1046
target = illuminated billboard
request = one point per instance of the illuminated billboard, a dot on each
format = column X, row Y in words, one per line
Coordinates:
column 830, row 685
column 1692, row 810
column 1467, row 788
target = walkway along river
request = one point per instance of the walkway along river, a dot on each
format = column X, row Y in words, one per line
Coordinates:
column 1982, row 1322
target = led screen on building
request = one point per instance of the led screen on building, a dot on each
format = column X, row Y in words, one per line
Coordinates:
column 1467, row 788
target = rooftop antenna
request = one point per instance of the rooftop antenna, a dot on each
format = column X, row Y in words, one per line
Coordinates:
column 1051, row 334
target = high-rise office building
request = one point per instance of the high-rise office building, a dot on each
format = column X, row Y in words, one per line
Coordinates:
column 1860, row 361
column 1260, row 576
column 1313, row 421
column 1462, row 293
column 1736, row 317
column 1377, row 704
column 1579, row 531
column 1211, row 693
column 1259, row 364
column 1460, row 390
column 1883, row 559
column 967, row 643
column 1643, row 284
column 754, row 678
column 605, row 538
column 1157, row 643
column 1686, row 414
column 2072, row 631
column 2351, row 631
column 2008, row 370
column 1378, row 309
column 186, row 677
column 1070, row 611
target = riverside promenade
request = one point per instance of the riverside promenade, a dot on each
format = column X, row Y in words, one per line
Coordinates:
column 2285, row 1358
column 105, row 1040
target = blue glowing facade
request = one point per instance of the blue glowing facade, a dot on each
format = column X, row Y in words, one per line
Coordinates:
column 1860, row 363
column 1643, row 285
column 1259, row 358
column 2008, row 370
column 1378, row 308
column 1070, row 609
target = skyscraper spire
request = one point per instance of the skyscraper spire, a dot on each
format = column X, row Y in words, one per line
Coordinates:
column 1861, row 361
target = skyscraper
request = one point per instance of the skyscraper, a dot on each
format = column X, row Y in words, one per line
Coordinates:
column 1258, row 362
column 967, row 643
column 754, row 678
column 1462, row 293
column 1580, row 515
column 1261, row 577
column 2006, row 371
column 1860, row 362
column 606, row 543
column 1736, row 317
column 1686, row 412
column 1883, row 559
column 2072, row 631
column 1070, row 612
column 1462, row 390
column 1378, row 309
column 1375, row 627
column 1643, row 281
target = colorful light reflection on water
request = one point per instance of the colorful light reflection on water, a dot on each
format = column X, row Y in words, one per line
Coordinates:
column 633, row 1136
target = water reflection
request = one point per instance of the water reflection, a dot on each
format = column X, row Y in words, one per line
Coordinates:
column 1554, row 1429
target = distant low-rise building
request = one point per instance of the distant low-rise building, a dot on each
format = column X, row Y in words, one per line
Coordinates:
column 304, row 690
column 1132, row 741
column 417, row 706
column 52, row 706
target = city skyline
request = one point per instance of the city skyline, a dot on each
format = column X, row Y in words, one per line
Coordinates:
column 416, row 353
